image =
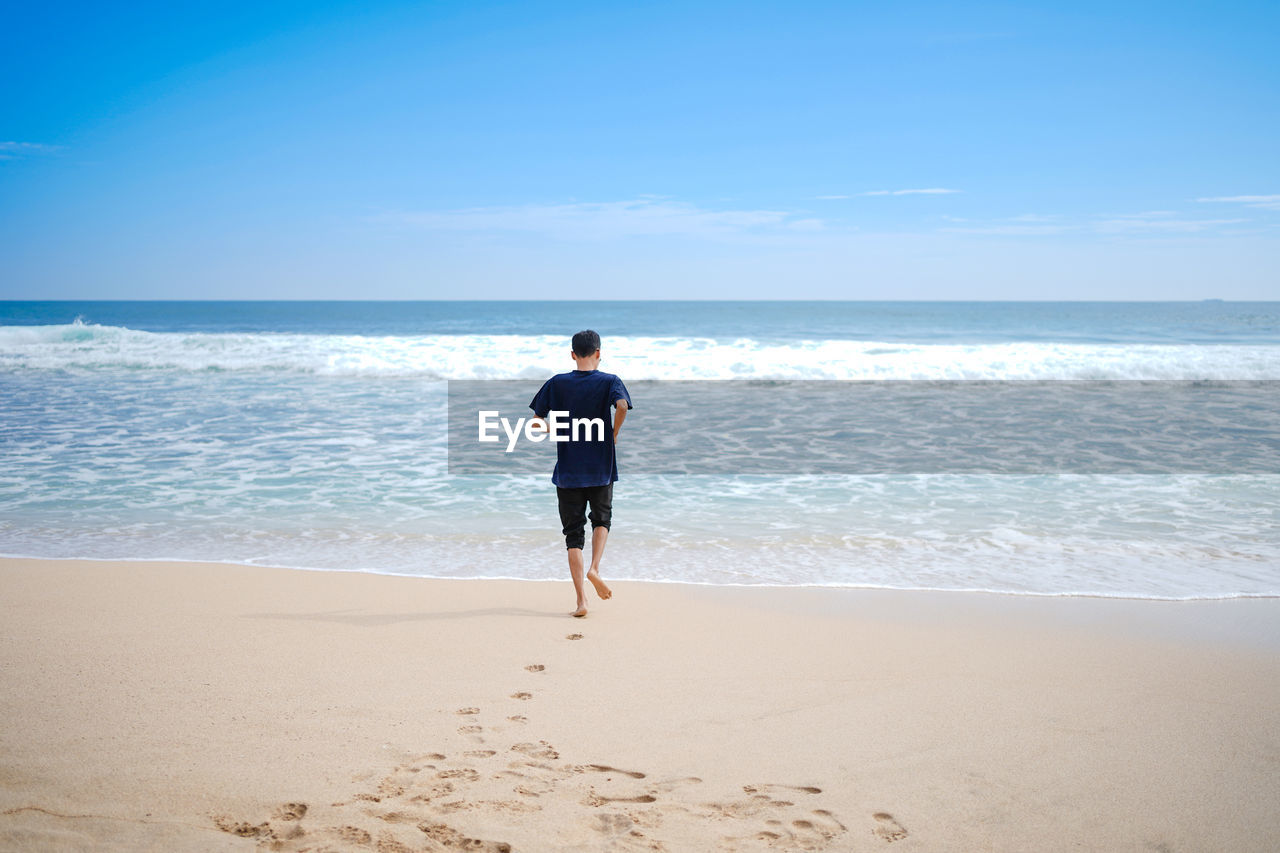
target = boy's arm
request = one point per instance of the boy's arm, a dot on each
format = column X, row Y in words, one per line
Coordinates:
column 619, row 415
column 541, row 405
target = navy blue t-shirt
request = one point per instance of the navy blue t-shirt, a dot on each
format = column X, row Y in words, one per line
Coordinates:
column 583, row 394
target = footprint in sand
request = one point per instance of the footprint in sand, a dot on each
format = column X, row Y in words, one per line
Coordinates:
column 532, row 778
column 613, row 824
column 819, row 828
column 425, row 794
column 398, row 825
column 533, row 789
column 464, row 773
column 621, row 833
column 518, row 718
column 390, row 787
column 449, row 838
column 352, row 834
column 413, row 805
column 605, row 768
column 242, row 828
column 573, row 637
column 788, row 825
column 761, row 789
column 541, row 749
column 522, row 695
column 768, row 795
column 596, row 800
column 470, row 730
column 535, row 667
column 785, row 827
column 770, row 801
column 887, row 828
column 388, row 844
column 290, row 811
column 467, row 711
column 289, row 814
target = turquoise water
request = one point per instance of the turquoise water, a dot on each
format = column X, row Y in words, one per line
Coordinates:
column 314, row 435
column 918, row 322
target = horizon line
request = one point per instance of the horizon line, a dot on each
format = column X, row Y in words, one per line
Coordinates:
column 625, row 301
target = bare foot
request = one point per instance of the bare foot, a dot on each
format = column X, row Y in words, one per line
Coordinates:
column 601, row 590
column 580, row 612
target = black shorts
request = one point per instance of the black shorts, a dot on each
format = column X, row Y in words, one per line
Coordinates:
column 573, row 511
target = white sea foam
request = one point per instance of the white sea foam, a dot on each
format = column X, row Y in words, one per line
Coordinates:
column 87, row 347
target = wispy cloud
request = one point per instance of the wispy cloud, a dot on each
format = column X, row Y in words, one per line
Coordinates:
column 1148, row 222
column 644, row 216
column 1159, row 222
column 15, row 150
column 1023, row 225
column 1266, row 202
column 926, row 191
column 656, row 216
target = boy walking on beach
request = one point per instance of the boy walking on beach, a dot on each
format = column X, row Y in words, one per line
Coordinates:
column 585, row 468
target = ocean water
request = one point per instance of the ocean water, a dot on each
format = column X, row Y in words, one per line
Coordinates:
column 315, row 435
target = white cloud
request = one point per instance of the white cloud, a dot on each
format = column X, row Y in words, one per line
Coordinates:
column 14, row 150
column 608, row 220
column 1266, row 202
column 927, row 191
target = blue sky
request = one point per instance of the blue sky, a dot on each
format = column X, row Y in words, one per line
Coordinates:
column 643, row 150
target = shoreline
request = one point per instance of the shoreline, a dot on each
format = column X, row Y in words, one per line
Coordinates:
column 192, row 706
column 5, row 557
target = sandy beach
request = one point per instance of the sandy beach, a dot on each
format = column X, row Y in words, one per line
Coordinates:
column 158, row 706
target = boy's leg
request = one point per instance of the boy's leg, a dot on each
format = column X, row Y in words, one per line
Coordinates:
column 579, row 588
column 573, row 522
column 599, row 535
column 601, row 499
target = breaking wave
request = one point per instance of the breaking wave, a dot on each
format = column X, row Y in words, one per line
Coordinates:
column 83, row 347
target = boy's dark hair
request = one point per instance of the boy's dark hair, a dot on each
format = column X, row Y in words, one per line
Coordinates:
column 586, row 343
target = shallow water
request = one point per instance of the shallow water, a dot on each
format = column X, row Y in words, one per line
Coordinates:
column 314, row 435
